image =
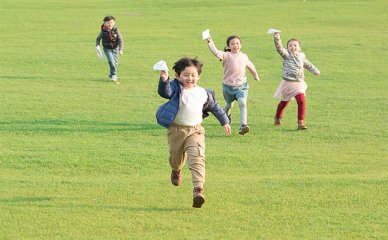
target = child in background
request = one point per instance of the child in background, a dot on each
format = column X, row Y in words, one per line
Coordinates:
column 112, row 43
column 293, row 85
column 234, row 84
column 182, row 115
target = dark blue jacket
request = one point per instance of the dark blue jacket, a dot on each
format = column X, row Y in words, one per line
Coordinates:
column 111, row 39
column 171, row 89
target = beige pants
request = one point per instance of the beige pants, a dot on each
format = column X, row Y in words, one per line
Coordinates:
column 188, row 143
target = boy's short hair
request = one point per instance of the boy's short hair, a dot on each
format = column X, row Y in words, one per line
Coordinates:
column 293, row 40
column 182, row 63
column 108, row 18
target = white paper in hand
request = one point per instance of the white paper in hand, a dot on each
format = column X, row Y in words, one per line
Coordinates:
column 161, row 66
column 99, row 53
column 205, row 34
column 272, row 30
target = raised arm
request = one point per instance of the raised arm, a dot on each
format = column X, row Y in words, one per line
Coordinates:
column 219, row 54
column 278, row 44
column 164, row 87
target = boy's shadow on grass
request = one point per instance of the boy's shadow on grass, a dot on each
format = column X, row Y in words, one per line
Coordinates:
column 59, row 125
column 46, row 202
column 104, row 80
column 20, row 77
column 291, row 130
column 100, row 80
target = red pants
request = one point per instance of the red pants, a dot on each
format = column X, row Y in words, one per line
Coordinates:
column 300, row 100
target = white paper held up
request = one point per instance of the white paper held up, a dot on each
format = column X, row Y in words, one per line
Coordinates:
column 272, row 30
column 99, row 53
column 205, row 34
column 161, row 66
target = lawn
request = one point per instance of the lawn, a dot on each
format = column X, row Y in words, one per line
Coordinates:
column 83, row 158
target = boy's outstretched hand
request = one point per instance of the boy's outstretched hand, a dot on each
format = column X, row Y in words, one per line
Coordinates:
column 164, row 75
column 228, row 129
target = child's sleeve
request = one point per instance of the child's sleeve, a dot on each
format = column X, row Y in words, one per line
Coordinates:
column 215, row 109
column 98, row 39
column 215, row 51
column 279, row 48
column 120, row 40
column 164, row 88
column 252, row 69
column 310, row 67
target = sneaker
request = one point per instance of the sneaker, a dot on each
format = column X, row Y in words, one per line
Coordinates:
column 176, row 178
column 277, row 122
column 113, row 78
column 301, row 125
column 198, row 198
column 243, row 129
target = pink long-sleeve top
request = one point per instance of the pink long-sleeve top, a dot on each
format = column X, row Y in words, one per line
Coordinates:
column 234, row 66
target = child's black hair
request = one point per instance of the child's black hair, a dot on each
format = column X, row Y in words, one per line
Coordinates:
column 226, row 49
column 108, row 18
column 182, row 63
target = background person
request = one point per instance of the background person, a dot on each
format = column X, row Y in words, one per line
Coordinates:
column 112, row 43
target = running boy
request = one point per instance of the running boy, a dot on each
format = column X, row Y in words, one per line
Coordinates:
column 112, row 43
column 183, row 114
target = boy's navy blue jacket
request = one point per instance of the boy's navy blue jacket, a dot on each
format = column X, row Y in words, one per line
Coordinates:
column 111, row 39
column 171, row 89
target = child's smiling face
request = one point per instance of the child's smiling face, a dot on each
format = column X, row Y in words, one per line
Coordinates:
column 110, row 24
column 293, row 46
column 188, row 77
column 235, row 45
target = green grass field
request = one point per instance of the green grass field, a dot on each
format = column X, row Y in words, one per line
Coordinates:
column 83, row 158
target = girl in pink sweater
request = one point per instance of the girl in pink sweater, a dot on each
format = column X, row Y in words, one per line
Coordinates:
column 234, row 84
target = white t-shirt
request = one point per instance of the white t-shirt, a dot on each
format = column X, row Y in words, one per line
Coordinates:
column 191, row 105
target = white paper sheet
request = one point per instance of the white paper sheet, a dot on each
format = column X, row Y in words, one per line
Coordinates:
column 272, row 30
column 99, row 53
column 205, row 34
column 161, row 66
